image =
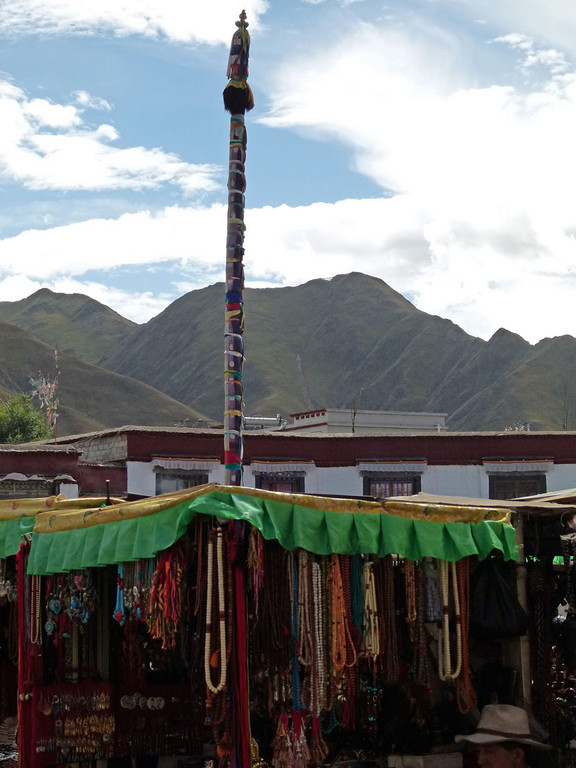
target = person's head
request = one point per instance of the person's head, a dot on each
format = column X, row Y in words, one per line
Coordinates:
column 503, row 737
column 505, row 754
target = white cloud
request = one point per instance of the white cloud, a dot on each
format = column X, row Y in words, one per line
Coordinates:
column 138, row 238
column 553, row 21
column 501, row 271
column 491, row 170
column 87, row 100
column 48, row 146
column 534, row 55
column 175, row 20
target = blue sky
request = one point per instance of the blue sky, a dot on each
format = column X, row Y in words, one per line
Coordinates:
column 428, row 142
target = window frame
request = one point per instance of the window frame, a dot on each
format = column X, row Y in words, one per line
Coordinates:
column 298, row 480
column 539, row 479
column 391, row 477
column 179, row 474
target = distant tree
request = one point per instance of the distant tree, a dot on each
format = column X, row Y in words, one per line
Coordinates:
column 20, row 422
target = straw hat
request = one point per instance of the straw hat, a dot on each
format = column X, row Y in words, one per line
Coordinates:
column 503, row 722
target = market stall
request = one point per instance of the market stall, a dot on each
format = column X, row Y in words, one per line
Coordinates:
column 16, row 522
column 222, row 621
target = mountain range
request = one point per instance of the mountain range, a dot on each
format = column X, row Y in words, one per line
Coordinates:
column 348, row 342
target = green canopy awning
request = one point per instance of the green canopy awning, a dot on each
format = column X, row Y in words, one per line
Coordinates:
column 12, row 533
column 70, row 540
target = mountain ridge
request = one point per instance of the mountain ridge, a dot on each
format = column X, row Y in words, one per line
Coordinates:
column 348, row 341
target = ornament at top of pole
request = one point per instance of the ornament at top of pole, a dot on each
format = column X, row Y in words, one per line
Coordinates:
column 238, row 97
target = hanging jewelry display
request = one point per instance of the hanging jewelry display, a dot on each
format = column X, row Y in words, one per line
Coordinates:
column 165, row 597
column 119, row 614
column 136, row 578
column 432, row 597
column 542, row 608
column 282, row 744
column 82, row 597
column 255, row 562
column 297, row 734
column 276, row 620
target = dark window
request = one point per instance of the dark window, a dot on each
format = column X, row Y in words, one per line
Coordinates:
column 168, row 482
column 283, row 482
column 512, row 486
column 393, row 485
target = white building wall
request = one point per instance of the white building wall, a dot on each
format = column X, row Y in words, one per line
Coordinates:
column 218, row 474
column 70, row 490
column 464, row 480
column 561, row 477
column 453, row 480
column 339, row 481
column 140, row 478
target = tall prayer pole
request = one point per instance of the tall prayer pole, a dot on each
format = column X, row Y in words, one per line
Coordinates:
column 238, row 100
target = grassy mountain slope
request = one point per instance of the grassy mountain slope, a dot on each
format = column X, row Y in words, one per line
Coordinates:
column 351, row 341
column 90, row 397
column 76, row 324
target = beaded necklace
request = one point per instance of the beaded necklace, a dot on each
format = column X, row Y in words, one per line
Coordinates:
column 371, row 619
column 215, row 688
column 352, row 634
column 421, row 661
column 35, row 633
column 352, row 641
column 276, row 616
column 357, row 591
column 341, row 641
column 466, row 695
column 445, row 670
column 318, row 672
column 296, row 703
column 304, row 638
column 256, row 565
column 411, row 612
column 389, row 628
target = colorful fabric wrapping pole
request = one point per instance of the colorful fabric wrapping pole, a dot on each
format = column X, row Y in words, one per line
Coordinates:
column 237, row 100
